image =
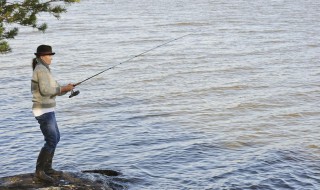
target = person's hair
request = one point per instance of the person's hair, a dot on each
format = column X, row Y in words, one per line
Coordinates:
column 34, row 63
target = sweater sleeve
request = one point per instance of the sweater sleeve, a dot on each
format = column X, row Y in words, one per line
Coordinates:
column 47, row 85
column 61, row 93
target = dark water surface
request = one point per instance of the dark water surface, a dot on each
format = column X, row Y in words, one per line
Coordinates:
column 235, row 105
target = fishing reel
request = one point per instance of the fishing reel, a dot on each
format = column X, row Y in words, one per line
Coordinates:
column 74, row 93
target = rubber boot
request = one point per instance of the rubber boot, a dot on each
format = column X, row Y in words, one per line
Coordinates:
column 41, row 163
column 49, row 170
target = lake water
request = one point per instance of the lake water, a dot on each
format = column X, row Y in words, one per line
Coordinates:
column 233, row 105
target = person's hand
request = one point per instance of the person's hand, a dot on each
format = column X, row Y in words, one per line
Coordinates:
column 67, row 88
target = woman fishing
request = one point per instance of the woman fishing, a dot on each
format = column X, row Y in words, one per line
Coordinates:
column 44, row 90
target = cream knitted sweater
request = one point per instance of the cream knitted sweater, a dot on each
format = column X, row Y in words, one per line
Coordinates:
column 43, row 87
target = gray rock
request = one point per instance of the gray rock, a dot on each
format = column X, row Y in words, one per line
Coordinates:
column 68, row 181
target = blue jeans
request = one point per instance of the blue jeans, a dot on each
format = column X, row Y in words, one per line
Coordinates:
column 50, row 131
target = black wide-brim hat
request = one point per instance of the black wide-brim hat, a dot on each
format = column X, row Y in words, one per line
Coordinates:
column 44, row 50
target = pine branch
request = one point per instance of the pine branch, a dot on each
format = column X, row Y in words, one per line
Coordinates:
column 25, row 14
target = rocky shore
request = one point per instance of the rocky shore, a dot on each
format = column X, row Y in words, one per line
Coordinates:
column 85, row 180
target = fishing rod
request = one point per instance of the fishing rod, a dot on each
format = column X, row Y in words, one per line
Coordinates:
column 75, row 93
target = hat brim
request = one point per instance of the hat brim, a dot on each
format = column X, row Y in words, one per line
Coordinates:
column 45, row 53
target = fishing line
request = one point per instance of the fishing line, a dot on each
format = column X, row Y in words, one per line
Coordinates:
column 75, row 93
